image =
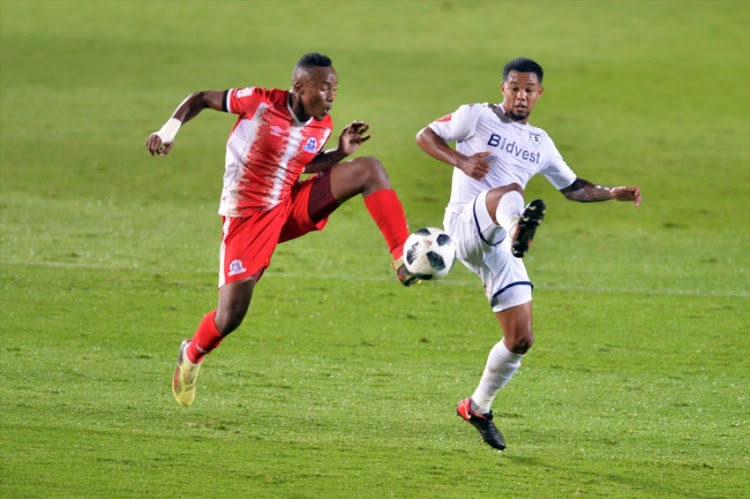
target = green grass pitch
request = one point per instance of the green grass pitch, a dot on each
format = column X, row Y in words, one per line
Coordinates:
column 341, row 383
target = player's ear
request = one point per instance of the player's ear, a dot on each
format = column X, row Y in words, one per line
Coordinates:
column 541, row 90
column 298, row 80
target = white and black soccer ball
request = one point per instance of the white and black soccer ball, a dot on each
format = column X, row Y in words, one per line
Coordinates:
column 429, row 253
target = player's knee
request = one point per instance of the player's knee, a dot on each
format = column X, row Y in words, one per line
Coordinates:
column 373, row 170
column 500, row 191
column 521, row 343
column 371, row 175
column 524, row 344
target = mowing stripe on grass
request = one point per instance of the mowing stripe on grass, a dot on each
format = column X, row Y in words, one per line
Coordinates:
column 449, row 282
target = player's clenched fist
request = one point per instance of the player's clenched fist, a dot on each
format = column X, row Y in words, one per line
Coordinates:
column 627, row 194
column 475, row 165
column 156, row 147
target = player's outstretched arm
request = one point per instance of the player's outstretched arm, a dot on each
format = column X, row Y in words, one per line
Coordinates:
column 350, row 139
column 583, row 191
column 160, row 143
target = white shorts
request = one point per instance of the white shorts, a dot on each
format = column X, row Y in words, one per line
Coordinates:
column 485, row 249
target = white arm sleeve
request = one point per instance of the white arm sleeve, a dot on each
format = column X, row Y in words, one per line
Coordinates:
column 459, row 125
column 555, row 169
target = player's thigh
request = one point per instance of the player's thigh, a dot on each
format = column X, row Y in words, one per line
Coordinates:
column 248, row 243
column 358, row 176
column 510, row 285
column 473, row 231
column 311, row 203
column 484, row 248
column 505, row 279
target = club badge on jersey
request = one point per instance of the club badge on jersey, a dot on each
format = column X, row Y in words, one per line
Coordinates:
column 312, row 145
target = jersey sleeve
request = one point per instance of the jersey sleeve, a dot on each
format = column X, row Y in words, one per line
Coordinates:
column 241, row 100
column 459, row 125
column 555, row 169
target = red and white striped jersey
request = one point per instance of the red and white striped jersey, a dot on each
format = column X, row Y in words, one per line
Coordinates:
column 267, row 149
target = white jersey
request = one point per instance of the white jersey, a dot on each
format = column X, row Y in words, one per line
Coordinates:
column 519, row 151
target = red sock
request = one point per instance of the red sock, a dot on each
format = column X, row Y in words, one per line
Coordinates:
column 206, row 338
column 386, row 210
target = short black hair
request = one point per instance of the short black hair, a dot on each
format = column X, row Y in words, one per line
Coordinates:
column 314, row 60
column 523, row 65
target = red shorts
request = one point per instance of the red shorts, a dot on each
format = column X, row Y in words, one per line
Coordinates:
column 249, row 242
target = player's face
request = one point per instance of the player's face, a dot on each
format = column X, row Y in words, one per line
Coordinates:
column 317, row 91
column 520, row 93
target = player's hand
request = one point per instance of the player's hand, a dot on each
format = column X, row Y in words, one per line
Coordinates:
column 475, row 165
column 156, row 147
column 353, row 136
column 627, row 194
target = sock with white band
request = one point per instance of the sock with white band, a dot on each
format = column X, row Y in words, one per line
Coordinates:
column 501, row 365
column 509, row 210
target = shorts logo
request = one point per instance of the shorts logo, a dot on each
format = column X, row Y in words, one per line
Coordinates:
column 236, row 267
column 312, row 144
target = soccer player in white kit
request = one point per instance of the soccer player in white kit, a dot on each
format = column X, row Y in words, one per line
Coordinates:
column 497, row 152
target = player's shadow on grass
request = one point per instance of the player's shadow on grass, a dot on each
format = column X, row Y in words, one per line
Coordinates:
column 636, row 485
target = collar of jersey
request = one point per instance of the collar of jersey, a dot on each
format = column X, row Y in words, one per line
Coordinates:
column 297, row 121
column 511, row 121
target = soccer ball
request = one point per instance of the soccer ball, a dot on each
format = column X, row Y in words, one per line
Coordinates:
column 429, row 253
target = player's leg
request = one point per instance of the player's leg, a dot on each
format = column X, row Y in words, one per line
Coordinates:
column 506, row 355
column 368, row 177
column 502, row 363
column 234, row 300
column 484, row 247
column 510, row 298
column 506, row 205
column 244, row 256
column 365, row 176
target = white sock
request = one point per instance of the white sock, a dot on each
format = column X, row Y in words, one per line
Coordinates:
column 501, row 365
column 509, row 210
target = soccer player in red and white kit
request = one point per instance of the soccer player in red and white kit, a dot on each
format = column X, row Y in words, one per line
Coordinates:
column 278, row 136
column 497, row 152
